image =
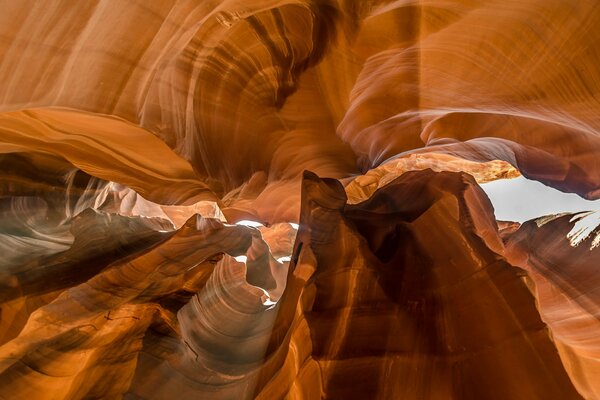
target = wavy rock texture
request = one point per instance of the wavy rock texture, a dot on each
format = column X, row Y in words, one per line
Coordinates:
column 138, row 138
column 566, row 285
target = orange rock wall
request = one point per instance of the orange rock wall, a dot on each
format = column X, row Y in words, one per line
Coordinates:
column 135, row 135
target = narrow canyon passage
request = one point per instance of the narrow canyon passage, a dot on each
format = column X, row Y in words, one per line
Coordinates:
column 299, row 199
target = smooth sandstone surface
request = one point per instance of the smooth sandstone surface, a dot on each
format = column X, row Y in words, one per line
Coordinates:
column 238, row 199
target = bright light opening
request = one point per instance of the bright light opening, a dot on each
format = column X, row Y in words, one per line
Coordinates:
column 241, row 259
column 521, row 200
column 269, row 302
column 585, row 225
column 247, row 222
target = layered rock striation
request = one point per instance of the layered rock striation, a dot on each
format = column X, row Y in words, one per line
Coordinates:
column 273, row 199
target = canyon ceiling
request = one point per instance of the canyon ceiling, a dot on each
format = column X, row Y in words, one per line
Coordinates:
column 239, row 199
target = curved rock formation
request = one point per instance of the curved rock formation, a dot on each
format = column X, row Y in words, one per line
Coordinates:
column 566, row 286
column 381, row 310
column 161, row 235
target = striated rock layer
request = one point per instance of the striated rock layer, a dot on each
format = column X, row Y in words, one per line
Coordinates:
column 161, row 235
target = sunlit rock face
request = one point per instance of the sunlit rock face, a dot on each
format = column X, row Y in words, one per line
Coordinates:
column 277, row 199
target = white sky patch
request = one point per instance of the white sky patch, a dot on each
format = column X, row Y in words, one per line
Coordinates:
column 266, row 299
column 295, row 226
column 269, row 302
column 521, row 200
column 247, row 222
column 281, row 260
column 585, row 224
column 241, row 259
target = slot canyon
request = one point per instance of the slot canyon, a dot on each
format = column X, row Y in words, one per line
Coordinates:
column 299, row 199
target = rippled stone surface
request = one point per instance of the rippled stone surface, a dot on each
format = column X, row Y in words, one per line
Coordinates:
column 270, row 199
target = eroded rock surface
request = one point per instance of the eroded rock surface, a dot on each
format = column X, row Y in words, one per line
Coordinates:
column 235, row 199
